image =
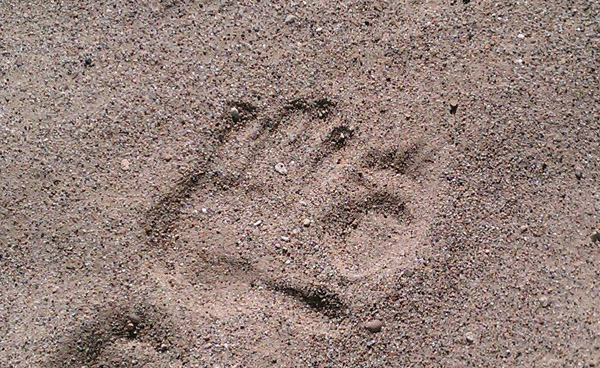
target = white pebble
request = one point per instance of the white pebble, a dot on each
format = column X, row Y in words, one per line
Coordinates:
column 125, row 164
column 290, row 19
column 280, row 168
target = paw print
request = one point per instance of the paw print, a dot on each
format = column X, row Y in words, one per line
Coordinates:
column 128, row 333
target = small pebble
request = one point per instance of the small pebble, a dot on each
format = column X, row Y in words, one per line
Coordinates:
column 258, row 223
column 453, row 106
column 130, row 327
column 544, row 302
column 374, row 325
column 125, row 164
column 579, row 173
column 134, row 318
column 596, row 236
column 285, row 238
column 167, row 156
column 470, row 338
column 280, row 168
column 306, row 222
column 235, row 114
column 290, row 19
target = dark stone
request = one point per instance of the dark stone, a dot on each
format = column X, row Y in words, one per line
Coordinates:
column 453, row 106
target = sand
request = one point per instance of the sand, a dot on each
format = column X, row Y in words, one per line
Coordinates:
column 299, row 184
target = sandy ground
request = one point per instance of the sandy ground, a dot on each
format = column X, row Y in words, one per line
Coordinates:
column 247, row 184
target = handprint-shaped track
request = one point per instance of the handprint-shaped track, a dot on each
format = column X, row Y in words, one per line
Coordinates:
column 252, row 242
column 218, row 177
column 349, row 189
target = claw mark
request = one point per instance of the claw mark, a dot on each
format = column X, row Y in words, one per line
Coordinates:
column 314, row 297
column 320, row 108
column 339, row 136
column 335, row 141
column 323, row 107
column 228, row 125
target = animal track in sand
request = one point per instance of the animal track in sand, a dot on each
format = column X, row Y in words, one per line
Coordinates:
column 131, row 334
column 356, row 192
column 238, row 228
